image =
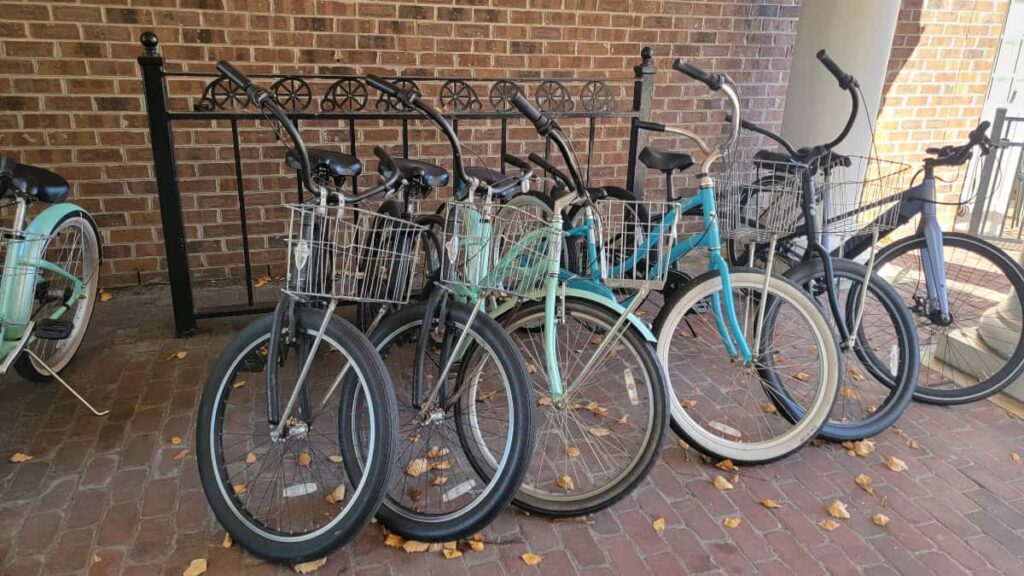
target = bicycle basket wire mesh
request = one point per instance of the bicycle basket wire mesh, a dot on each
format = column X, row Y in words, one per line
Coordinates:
column 12, row 240
column 501, row 249
column 858, row 194
column 350, row 253
column 760, row 199
column 634, row 239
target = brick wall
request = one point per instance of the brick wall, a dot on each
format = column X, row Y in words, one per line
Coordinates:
column 70, row 93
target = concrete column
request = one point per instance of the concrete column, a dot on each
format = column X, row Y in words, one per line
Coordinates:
column 858, row 35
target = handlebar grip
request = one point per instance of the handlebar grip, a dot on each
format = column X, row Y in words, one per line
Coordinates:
column 516, row 161
column 6, row 168
column 550, row 168
column 382, row 85
column 235, row 75
column 713, row 81
column 652, row 126
column 845, row 80
column 979, row 133
column 522, row 104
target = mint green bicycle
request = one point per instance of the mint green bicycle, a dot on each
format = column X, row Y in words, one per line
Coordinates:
column 50, row 276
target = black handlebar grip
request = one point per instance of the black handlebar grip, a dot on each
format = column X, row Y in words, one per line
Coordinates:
column 652, row 126
column 234, row 74
column 550, row 168
column 522, row 104
column 382, row 85
column 516, row 161
column 713, row 81
column 845, row 80
column 979, row 133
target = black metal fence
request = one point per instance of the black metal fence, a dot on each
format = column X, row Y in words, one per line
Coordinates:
column 347, row 101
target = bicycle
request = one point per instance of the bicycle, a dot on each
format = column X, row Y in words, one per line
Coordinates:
column 268, row 448
column 726, row 320
column 49, row 279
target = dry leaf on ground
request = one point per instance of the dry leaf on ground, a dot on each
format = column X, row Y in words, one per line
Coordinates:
column 769, row 408
column 443, row 465
column 261, row 282
column 864, row 481
column 722, row 484
column 769, row 503
column 411, row 546
column 439, row 480
column 802, row 376
column 884, row 503
column 896, row 465
column 486, row 396
column 335, row 458
column 195, row 567
column 1014, row 457
column 572, row 451
column 880, row 519
column 239, row 488
column 337, row 495
column 250, row 458
column 838, row 510
column 475, row 546
column 19, row 458
column 856, row 374
column 175, row 440
column 304, row 459
column 682, row 444
column 732, row 521
column 394, row 541
column 451, row 554
column 658, row 524
column 181, row 455
column 228, row 541
column 179, row 355
column 863, row 448
column 238, row 384
column 565, row 482
column 829, row 524
column 96, row 558
column 726, row 465
column 599, row 431
column 688, row 403
column 106, row 296
column 309, row 567
column 543, row 400
column 531, row 559
column 417, row 467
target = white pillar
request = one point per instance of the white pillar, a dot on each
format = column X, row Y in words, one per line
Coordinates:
column 858, row 35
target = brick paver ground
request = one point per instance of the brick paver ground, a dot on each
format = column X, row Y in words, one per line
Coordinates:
column 107, row 495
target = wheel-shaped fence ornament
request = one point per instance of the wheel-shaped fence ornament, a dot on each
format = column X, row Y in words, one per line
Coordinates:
column 386, row 103
column 292, row 93
column 552, row 96
column 501, row 95
column 222, row 94
column 459, row 96
column 596, row 96
column 345, row 95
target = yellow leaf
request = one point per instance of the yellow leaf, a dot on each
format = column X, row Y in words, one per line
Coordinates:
column 896, row 465
column 531, row 369
column 864, row 481
column 239, row 488
column 838, row 510
column 195, row 568
column 412, row 546
column 769, row 503
column 394, row 541
column 531, row 559
column 847, row 392
column 829, row 524
column 228, row 541
column 802, row 376
column 476, row 546
column 337, row 496
column 415, row 494
column 451, row 554
column 261, row 282
column 309, row 567
column 238, row 384
column 880, row 519
column 722, row 484
column 596, row 340
column 732, row 521
column 565, row 482
column 572, row 451
column 599, row 411
column 769, row 408
column 688, row 403
column 96, row 558
column 417, row 467
column 912, row 443
column 453, row 545
column 304, row 459
column 658, row 524
column 414, row 438
column 543, row 400
column 599, row 431
column 682, row 444
column 175, row 440
column 1014, row 457
column 439, row 480
column 181, row 455
column 863, row 448
column 623, row 420
column 856, row 374
column 726, row 465
column 106, row 296
column 335, row 458
column 486, row 396
column 250, row 458
column 179, row 355
column 19, row 458
column 436, row 452
column 443, row 465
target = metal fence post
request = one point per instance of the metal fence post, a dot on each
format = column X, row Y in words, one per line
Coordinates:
column 643, row 97
column 165, row 171
column 981, row 198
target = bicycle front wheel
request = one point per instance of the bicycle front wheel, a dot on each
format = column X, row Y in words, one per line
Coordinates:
column 973, row 353
column 726, row 408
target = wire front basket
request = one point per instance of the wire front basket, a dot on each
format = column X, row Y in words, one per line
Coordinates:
column 862, row 195
column 636, row 242
column 491, row 248
column 352, row 254
column 760, row 200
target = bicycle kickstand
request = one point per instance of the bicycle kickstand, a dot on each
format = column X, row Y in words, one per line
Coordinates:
column 66, row 385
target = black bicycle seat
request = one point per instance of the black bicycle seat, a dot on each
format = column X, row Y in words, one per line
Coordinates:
column 337, row 163
column 432, row 175
column 665, row 160
column 484, row 175
column 40, row 183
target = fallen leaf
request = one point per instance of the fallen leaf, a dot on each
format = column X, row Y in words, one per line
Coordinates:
column 250, row 458
column 531, row 369
column 623, row 420
column 304, row 459
column 732, row 521
column 735, row 479
column 848, row 393
column 239, row 488
column 600, row 411
column 195, row 568
column 181, row 455
column 96, row 558
column 439, row 480
column 19, row 458
column 880, row 519
column 175, row 440
column 847, row 445
column 884, row 503
column 486, row 396
column 896, row 465
column 476, row 544
column 394, row 541
column 856, row 374
column 436, row 452
column 238, row 384
column 565, row 482
column 688, row 403
column 572, row 451
column 415, row 494
column 417, row 467
column 863, row 448
column 599, row 431
column 451, row 554
column 106, row 296
column 658, row 524
column 443, row 465
column 411, row 546
column 228, row 542
column 838, row 510
column 261, row 282
column 179, row 355
column 682, row 444
column 414, row 438
column 543, row 400
column 336, row 496
column 769, row 503
column 309, row 567
column 335, row 458
column 829, row 524
column 769, row 408
column 596, row 340
column 531, row 559
column 452, row 545
column 864, row 481
column 802, row 376
column 722, row 484
column 1014, row 457
column 726, row 465
column 912, row 443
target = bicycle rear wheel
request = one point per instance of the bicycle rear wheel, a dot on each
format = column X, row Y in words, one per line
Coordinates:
column 959, row 362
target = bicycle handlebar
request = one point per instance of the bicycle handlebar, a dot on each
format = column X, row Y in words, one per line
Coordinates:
column 846, row 81
column 235, row 75
column 522, row 104
column 516, row 161
column 652, row 126
column 551, row 169
column 713, row 81
column 6, row 173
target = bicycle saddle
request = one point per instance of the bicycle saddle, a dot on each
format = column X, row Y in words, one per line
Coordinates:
column 337, row 163
column 40, row 183
column 430, row 174
column 484, row 175
column 665, row 160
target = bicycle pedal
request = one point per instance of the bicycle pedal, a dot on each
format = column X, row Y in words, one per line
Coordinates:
column 53, row 329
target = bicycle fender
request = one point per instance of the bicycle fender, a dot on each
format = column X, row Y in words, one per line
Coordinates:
column 640, row 325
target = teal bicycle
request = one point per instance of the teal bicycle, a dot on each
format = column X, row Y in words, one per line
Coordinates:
column 50, row 276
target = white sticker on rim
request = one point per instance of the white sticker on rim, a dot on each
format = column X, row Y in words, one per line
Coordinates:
column 894, row 360
column 458, row 490
column 631, row 387
column 297, row 490
column 725, row 429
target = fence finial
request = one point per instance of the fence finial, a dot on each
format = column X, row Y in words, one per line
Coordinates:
column 149, row 41
column 646, row 54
